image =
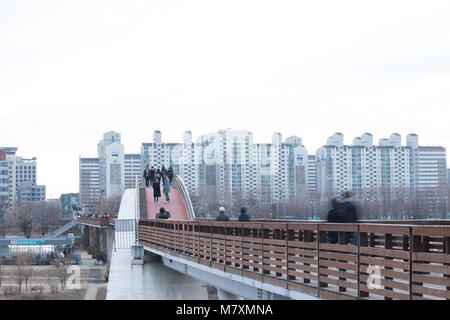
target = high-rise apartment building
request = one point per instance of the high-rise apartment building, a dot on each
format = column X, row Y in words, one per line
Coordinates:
column 111, row 165
column 387, row 171
column 90, row 193
column 132, row 169
column 18, row 179
column 30, row 192
column 227, row 166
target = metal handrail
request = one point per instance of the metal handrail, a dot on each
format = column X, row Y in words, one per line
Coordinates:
column 138, row 211
column 178, row 183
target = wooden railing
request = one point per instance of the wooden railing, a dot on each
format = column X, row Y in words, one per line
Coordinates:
column 388, row 262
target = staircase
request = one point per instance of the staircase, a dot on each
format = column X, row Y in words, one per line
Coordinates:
column 61, row 229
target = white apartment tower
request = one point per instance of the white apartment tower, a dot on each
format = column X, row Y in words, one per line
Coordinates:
column 111, row 157
column 387, row 170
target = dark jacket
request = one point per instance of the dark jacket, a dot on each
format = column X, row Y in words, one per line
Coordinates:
column 350, row 213
column 222, row 217
column 163, row 215
column 163, row 171
column 156, row 189
column 147, row 174
column 244, row 217
column 152, row 174
column 170, row 173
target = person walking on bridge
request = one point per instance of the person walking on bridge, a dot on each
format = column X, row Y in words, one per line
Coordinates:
column 170, row 174
column 147, row 176
column 152, row 174
column 156, row 190
column 222, row 216
column 166, row 187
column 158, row 174
column 163, row 171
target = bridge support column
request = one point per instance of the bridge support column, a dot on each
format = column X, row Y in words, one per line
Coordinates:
column 109, row 247
column 91, row 239
column 225, row 295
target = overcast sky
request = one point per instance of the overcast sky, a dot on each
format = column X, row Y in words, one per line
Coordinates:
column 72, row 70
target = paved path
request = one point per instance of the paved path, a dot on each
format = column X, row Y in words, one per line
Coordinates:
column 175, row 206
column 91, row 292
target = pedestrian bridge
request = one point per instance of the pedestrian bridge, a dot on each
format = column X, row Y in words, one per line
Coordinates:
column 272, row 259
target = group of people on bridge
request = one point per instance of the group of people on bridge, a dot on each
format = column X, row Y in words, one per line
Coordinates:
column 157, row 177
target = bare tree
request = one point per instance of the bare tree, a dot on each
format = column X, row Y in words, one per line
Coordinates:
column 109, row 205
column 60, row 271
column 22, row 218
column 5, row 225
column 46, row 215
column 27, row 271
column 19, row 271
column 2, row 270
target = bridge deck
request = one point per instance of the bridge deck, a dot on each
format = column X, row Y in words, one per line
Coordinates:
column 175, row 206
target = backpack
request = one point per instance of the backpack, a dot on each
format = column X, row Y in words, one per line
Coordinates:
column 164, row 215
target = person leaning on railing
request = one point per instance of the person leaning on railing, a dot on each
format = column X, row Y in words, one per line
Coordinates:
column 350, row 215
column 244, row 217
column 222, row 216
column 334, row 216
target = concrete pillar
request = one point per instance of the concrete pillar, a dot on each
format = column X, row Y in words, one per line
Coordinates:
column 103, row 240
column 109, row 247
column 225, row 295
column 91, row 238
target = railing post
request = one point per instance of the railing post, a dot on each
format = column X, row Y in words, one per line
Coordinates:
column 318, row 259
column 358, row 266
column 288, row 238
column 411, row 257
column 388, row 244
column 210, row 243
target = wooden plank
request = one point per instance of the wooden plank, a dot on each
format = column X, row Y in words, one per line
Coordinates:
column 339, row 265
column 275, row 263
column 441, row 281
column 252, row 264
column 302, row 245
column 384, row 229
column 385, row 252
column 337, row 273
column 303, row 275
column 438, row 231
column 339, row 283
column 302, row 268
column 274, row 242
column 303, row 252
column 338, row 227
column 293, row 259
column 337, row 247
column 432, row 257
column 441, row 269
column 274, row 255
column 388, row 283
column 390, row 294
column 432, row 292
column 385, row 263
column 338, row 256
